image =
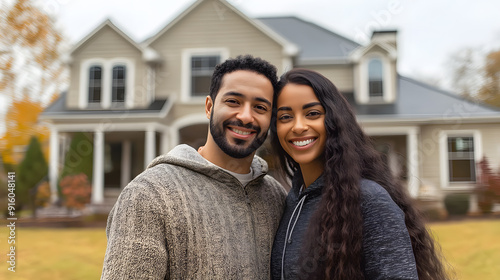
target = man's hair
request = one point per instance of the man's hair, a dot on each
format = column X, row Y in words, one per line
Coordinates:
column 242, row 62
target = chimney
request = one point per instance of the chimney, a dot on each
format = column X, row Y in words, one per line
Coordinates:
column 386, row 36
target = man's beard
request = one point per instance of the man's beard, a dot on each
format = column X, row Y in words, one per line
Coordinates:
column 238, row 150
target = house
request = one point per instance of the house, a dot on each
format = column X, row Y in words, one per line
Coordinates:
column 138, row 100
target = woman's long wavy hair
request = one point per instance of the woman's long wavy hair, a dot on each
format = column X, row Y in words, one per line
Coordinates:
column 334, row 242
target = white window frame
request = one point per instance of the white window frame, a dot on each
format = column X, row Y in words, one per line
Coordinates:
column 444, row 159
column 187, row 54
column 106, row 81
column 388, row 81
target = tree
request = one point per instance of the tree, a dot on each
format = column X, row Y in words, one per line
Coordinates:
column 31, row 71
column 30, row 173
column 466, row 70
column 490, row 91
column 22, row 124
column 476, row 75
column 79, row 156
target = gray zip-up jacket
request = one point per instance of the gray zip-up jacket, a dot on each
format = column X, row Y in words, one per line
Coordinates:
column 387, row 249
column 185, row 218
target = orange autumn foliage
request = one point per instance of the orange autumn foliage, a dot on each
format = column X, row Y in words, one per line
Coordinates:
column 76, row 190
column 22, row 123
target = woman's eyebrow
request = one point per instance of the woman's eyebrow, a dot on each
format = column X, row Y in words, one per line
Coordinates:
column 284, row 109
column 312, row 104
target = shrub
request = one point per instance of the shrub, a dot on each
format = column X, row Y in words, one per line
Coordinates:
column 457, row 204
column 76, row 190
column 42, row 197
column 488, row 187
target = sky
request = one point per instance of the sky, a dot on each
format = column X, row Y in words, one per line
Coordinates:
column 429, row 32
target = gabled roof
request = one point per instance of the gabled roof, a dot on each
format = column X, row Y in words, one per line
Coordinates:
column 288, row 47
column 358, row 53
column 106, row 23
column 317, row 44
column 423, row 103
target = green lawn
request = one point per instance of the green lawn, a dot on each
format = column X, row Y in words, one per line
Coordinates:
column 472, row 248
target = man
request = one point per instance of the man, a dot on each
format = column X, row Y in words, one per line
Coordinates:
column 211, row 213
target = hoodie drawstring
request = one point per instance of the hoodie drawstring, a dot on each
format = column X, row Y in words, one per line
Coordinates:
column 288, row 235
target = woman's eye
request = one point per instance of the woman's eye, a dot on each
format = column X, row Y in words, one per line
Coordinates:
column 284, row 118
column 314, row 114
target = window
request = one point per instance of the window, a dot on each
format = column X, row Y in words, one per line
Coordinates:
column 202, row 68
column 118, row 84
column 375, row 78
column 461, row 163
column 95, row 84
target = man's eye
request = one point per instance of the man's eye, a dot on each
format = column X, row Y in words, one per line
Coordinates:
column 261, row 108
column 232, row 102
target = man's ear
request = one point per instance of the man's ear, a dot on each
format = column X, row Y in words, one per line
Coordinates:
column 208, row 106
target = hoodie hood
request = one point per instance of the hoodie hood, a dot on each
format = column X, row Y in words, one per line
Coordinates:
column 187, row 157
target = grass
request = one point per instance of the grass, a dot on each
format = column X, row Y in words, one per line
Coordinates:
column 471, row 247
column 65, row 254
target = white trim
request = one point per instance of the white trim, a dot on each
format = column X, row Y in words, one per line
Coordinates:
column 358, row 53
column 106, row 81
column 85, row 66
column 388, row 130
column 108, row 126
column 98, row 168
column 149, row 145
column 186, row 71
column 443, row 157
column 363, row 96
column 54, row 163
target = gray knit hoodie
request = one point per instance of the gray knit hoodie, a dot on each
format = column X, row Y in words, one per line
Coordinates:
column 185, row 218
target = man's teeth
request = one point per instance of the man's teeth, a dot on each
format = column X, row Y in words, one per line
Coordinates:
column 241, row 132
column 302, row 143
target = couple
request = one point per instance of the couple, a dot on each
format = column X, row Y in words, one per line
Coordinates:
column 215, row 214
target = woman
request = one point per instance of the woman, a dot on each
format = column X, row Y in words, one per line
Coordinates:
column 346, row 216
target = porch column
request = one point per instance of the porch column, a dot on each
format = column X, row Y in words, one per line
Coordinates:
column 413, row 168
column 165, row 142
column 126, row 163
column 54, row 163
column 98, row 169
column 149, row 146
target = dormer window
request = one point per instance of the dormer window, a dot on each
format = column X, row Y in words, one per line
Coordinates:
column 106, row 83
column 375, row 78
column 95, row 84
column 118, row 84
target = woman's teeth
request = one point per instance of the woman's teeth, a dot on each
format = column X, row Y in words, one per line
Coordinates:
column 302, row 143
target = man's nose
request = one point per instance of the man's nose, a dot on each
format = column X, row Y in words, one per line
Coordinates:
column 245, row 114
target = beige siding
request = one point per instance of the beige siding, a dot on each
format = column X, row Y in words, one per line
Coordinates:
column 209, row 25
column 429, row 149
column 107, row 44
column 340, row 75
